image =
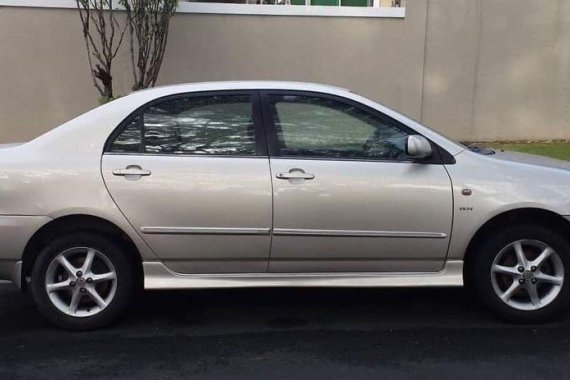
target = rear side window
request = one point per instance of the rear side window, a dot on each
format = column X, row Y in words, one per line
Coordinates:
column 129, row 140
column 215, row 125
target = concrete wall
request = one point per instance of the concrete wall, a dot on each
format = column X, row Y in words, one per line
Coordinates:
column 498, row 69
column 473, row 69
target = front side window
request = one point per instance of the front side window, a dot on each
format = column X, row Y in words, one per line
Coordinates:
column 313, row 126
column 215, row 125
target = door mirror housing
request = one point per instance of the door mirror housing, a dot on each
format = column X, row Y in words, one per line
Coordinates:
column 418, row 147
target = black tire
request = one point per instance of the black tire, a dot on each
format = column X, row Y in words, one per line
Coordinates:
column 479, row 277
column 124, row 288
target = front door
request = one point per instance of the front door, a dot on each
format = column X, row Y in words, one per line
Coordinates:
column 192, row 176
column 347, row 198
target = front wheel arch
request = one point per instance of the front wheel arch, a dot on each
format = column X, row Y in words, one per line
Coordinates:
column 522, row 216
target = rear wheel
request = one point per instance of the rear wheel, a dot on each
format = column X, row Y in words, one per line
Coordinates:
column 82, row 281
column 519, row 273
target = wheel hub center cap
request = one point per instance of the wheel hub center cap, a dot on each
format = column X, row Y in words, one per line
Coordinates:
column 81, row 281
column 528, row 275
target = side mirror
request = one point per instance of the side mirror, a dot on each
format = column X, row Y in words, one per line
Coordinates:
column 418, row 147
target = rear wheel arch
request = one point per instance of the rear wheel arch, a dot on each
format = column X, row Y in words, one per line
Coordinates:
column 522, row 216
column 79, row 223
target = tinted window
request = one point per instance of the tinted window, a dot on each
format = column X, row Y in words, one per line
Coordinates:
column 321, row 127
column 129, row 140
column 219, row 125
column 200, row 125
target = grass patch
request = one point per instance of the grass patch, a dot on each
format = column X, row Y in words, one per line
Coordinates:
column 558, row 149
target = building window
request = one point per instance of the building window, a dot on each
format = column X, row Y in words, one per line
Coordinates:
column 319, row 8
column 334, row 3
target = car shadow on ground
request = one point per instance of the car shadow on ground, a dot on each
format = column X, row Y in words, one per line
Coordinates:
column 284, row 308
column 309, row 308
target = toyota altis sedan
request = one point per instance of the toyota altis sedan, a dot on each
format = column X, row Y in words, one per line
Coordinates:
column 274, row 184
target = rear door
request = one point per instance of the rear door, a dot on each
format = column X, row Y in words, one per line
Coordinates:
column 191, row 174
column 347, row 198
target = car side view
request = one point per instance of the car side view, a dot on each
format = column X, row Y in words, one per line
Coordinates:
column 274, row 184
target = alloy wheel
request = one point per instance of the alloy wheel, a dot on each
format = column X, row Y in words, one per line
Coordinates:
column 81, row 282
column 527, row 275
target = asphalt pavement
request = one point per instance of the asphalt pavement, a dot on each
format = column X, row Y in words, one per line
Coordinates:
column 286, row 334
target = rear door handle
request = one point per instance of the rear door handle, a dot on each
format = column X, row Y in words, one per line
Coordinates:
column 132, row 172
column 296, row 174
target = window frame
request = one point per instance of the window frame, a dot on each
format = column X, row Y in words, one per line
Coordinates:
column 439, row 156
column 255, row 102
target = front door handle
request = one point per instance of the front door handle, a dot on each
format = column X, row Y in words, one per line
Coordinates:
column 132, row 172
column 296, row 174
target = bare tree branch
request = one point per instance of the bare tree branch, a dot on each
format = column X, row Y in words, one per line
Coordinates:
column 103, row 37
column 149, row 22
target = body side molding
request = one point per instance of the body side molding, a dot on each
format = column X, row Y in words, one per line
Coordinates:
column 289, row 232
column 205, row 231
column 358, row 233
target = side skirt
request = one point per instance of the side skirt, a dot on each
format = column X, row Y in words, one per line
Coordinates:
column 159, row 277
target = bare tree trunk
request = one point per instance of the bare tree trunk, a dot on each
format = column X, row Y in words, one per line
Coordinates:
column 149, row 22
column 103, row 37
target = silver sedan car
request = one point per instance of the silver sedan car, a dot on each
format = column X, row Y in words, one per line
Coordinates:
column 274, row 184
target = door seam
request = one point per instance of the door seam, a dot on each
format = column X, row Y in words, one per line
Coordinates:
column 261, row 108
column 451, row 235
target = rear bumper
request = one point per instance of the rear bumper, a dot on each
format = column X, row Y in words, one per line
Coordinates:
column 11, row 271
column 15, row 233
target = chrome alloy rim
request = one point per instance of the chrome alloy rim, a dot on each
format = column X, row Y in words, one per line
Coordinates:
column 527, row 275
column 81, row 282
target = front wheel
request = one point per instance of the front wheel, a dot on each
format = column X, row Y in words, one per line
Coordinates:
column 82, row 281
column 520, row 273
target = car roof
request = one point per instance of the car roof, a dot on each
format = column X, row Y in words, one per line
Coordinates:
column 245, row 85
column 107, row 117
